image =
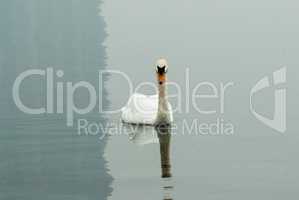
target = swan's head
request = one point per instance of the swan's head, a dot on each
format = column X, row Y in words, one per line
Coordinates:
column 161, row 69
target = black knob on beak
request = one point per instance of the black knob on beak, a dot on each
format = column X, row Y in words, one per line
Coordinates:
column 161, row 70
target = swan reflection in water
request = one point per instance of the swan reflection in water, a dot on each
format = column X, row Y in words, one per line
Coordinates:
column 164, row 135
column 142, row 135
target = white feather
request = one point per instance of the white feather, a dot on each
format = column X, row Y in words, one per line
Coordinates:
column 142, row 109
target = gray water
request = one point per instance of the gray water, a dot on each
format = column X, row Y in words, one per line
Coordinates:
column 40, row 157
column 218, row 41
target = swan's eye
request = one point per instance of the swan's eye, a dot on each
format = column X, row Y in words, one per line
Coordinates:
column 157, row 68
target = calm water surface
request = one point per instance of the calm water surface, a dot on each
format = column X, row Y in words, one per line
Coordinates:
column 40, row 157
column 219, row 42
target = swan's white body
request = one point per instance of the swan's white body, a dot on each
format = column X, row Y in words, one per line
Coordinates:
column 151, row 110
column 143, row 109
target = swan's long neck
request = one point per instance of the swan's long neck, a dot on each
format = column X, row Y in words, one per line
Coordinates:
column 163, row 106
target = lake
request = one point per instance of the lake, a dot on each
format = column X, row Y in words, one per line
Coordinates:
column 218, row 146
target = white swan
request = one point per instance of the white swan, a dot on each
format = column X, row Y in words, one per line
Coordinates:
column 153, row 109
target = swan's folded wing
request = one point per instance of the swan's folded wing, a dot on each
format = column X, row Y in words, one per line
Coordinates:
column 140, row 109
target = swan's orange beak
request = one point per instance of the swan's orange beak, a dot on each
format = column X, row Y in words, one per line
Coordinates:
column 161, row 78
